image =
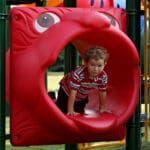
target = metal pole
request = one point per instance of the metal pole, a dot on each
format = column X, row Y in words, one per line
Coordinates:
column 2, row 73
column 133, row 137
column 7, row 43
column 40, row 2
column 70, row 51
column 70, row 3
column 69, row 63
column 146, row 75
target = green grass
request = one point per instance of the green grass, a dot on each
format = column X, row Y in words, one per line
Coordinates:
column 54, row 147
column 53, row 80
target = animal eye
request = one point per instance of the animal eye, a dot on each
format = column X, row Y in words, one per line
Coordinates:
column 46, row 20
column 113, row 21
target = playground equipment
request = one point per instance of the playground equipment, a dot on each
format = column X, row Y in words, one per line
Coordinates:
column 95, row 3
column 146, row 66
column 35, row 119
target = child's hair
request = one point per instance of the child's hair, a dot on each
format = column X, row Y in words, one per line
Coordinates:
column 96, row 53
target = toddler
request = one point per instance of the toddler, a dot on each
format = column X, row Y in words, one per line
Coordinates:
column 76, row 85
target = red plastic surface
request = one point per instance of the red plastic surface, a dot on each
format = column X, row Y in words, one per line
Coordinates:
column 97, row 3
column 35, row 119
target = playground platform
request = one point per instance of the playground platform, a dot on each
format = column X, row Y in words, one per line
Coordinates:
column 144, row 146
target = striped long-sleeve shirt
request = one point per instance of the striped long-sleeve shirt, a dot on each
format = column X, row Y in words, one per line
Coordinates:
column 79, row 80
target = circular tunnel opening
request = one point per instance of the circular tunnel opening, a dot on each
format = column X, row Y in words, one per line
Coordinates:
column 122, row 67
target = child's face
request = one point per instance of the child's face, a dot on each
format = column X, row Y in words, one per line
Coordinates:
column 95, row 66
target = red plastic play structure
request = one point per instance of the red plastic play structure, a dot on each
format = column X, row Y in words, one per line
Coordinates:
column 96, row 3
column 37, row 37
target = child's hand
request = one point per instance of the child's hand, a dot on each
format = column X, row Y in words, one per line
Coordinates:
column 72, row 113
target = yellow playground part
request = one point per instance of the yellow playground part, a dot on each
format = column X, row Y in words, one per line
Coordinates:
column 54, row 2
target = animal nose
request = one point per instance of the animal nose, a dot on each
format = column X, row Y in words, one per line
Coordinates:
column 93, row 19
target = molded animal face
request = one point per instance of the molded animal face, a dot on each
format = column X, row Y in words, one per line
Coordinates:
column 37, row 37
column 36, row 29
